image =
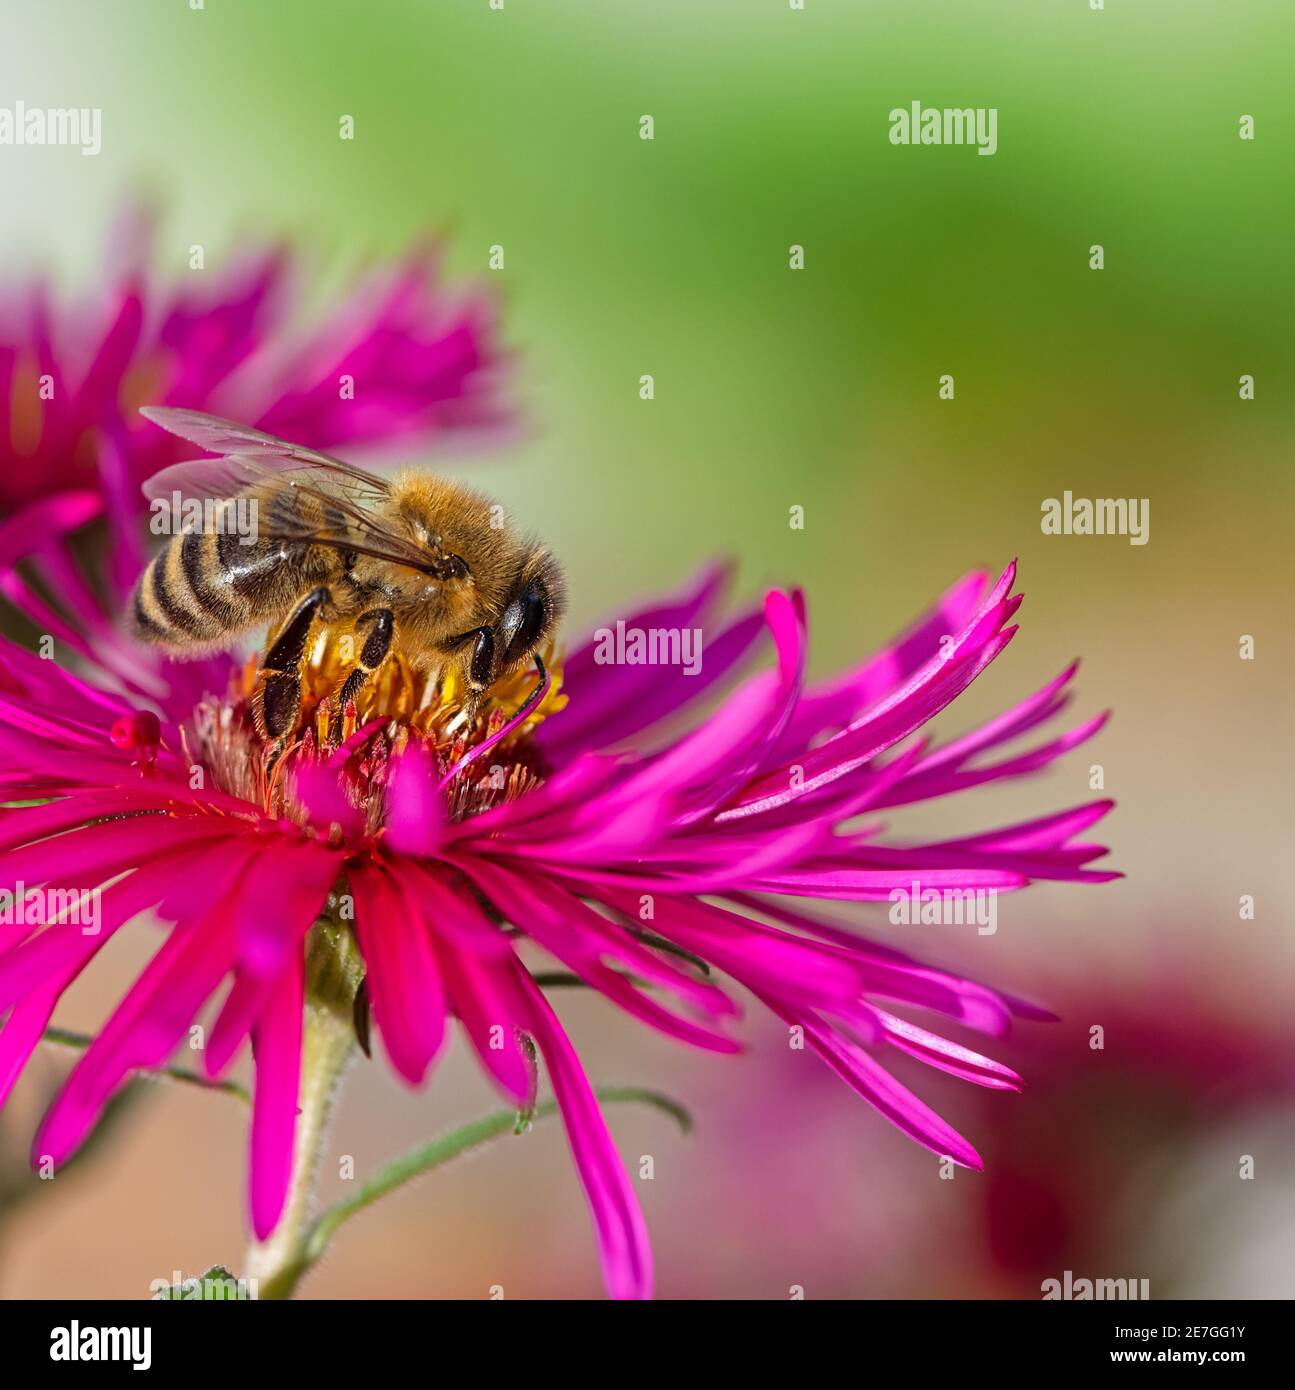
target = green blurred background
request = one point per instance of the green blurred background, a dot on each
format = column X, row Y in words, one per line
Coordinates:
column 774, row 388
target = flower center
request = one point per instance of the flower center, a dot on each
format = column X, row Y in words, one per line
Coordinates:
column 402, row 704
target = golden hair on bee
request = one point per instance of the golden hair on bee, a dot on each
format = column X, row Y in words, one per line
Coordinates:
column 416, row 563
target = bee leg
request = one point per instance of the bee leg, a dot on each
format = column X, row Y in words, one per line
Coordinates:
column 374, row 652
column 280, row 692
column 481, row 666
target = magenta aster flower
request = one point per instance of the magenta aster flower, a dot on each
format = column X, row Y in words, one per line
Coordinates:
column 583, row 829
column 398, row 360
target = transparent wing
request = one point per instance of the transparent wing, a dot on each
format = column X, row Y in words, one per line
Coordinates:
column 219, row 436
column 338, row 521
column 346, row 496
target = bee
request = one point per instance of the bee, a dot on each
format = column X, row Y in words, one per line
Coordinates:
column 414, row 563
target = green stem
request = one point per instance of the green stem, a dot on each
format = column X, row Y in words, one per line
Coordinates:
column 63, row 1037
column 439, row 1151
column 328, row 1043
column 334, row 972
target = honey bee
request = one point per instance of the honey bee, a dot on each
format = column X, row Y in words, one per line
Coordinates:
column 413, row 563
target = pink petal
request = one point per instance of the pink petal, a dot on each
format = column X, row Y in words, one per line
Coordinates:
column 876, row 1085
column 623, row 1246
column 276, row 1043
column 402, row 977
column 144, row 1029
column 415, row 817
column 319, row 789
column 40, row 522
column 482, row 990
column 21, row 1033
column 567, row 929
column 948, row 1056
column 280, row 899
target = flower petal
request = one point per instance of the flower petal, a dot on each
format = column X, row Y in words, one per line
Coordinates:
column 276, row 1042
column 402, row 977
column 623, row 1244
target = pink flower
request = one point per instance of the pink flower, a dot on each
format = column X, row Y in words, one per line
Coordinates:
column 399, row 360
column 627, row 851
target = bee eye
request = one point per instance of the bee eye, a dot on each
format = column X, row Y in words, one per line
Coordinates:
column 522, row 624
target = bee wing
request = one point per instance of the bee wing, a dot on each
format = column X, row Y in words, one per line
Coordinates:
column 348, row 523
column 218, row 478
column 346, row 494
column 219, row 436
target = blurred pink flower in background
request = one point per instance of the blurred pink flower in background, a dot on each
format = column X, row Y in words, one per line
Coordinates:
column 400, row 361
column 1127, row 1131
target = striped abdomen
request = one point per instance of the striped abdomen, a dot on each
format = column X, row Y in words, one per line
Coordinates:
column 203, row 587
column 208, row 585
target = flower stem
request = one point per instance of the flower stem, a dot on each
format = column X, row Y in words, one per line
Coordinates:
column 333, row 975
column 424, row 1159
column 64, row 1037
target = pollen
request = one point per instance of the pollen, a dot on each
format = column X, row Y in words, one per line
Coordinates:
column 402, row 701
